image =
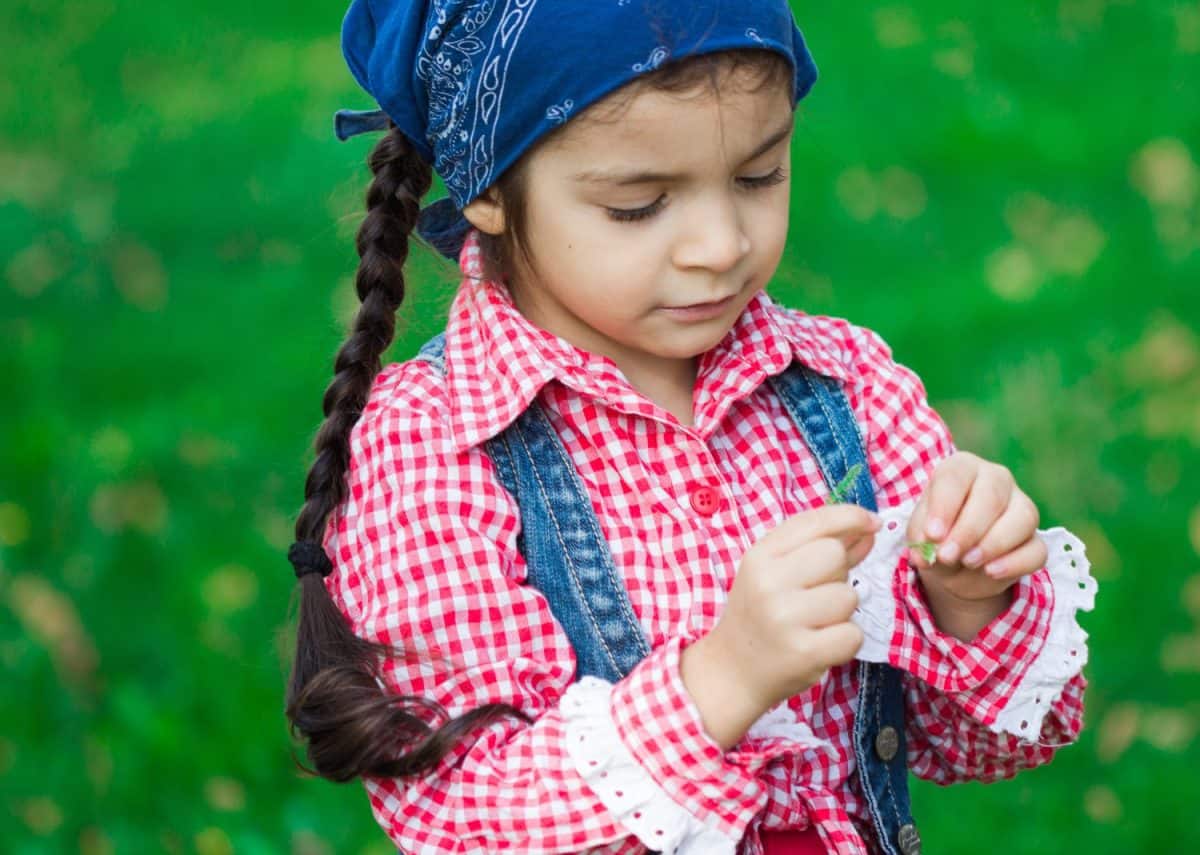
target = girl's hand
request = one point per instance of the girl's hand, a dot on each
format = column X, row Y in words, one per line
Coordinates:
column 787, row 620
column 985, row 529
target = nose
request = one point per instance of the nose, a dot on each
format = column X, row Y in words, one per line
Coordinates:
column 715, row 237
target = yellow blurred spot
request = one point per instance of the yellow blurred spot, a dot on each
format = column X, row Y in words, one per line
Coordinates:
column 1163, row 171
column 1074, row 244
column 308, row 843
column 32, row 179
column 14, row 524
column 1012, row 273
column 230, row 588
column 280, row 252
column 1117, row 732
column 92, row 212
column 1106, row 562
column 1102, row 804
column 33, row 268
column 51, row 620
column 1181, row 654
column 957, row 59
column 140, row 505
column 897, row 27
column 275, row 528
column 904, row 196
column 1168, row 729
column 225, row 794
column 42, row 815
column 1064, row 242
column 1187, row 27
column 139, row 275
column 1029, row 216
column 203, row 450
column 93, row 841
column 858, row 193
column 1167, row 351
column 213, row 841
column 111, row 447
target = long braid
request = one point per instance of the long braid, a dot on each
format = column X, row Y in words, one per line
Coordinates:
column 334, row 699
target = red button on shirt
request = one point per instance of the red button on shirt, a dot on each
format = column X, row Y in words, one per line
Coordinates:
column 705, row 501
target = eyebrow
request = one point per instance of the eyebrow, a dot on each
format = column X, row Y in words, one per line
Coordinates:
column 624, row 179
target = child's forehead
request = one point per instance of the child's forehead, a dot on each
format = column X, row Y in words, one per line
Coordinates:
column 642, row 121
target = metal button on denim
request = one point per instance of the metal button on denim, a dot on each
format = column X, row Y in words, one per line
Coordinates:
column 909, row 840
column 705, row 501
column 887, row 743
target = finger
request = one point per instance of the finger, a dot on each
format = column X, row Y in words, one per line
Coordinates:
column 1025, row 559
column 837, row 644
column 826, row 605
column 986, row 501
column 820, row 562
column 859, row 549
column 947, row 490
column 1015, row 526
column 827, row 521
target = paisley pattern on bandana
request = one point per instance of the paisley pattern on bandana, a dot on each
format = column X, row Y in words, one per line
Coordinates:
column 465, row 76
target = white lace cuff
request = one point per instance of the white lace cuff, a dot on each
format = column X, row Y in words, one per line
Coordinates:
column 1060, row 659
column 1065, row 652
column 622, row 785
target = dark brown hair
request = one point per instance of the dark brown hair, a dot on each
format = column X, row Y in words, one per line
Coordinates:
column 334, row 699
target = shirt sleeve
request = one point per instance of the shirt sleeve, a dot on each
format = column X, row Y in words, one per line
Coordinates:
column 1011, row 696
column 426, row 561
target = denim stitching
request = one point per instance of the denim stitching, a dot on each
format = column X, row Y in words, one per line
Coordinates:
column 574, row 575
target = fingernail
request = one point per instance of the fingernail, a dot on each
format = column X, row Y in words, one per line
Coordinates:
column 974, row 557
column 995, row 569
column 935, row 528
column 948, row 553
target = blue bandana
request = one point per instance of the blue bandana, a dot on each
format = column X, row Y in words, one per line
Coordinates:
column 474, row 83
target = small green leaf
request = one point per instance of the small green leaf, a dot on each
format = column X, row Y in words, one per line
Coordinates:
column 843, row 487
column 928, row 550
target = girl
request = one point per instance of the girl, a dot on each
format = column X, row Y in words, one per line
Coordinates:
column 575, row 577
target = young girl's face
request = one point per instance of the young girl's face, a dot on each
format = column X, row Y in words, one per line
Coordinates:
column 682, row 201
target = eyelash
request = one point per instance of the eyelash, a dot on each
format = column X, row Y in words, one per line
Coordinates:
column 623, row 215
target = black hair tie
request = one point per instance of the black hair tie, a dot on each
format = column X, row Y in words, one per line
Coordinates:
column 308, row 556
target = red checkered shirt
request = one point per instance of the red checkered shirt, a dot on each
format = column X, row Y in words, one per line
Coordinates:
column 426, row 559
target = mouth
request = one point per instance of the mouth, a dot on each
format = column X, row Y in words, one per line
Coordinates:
column 711, row 304
column 697, row 312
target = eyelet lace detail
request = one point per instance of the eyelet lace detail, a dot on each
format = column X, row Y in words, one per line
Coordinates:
column 622, row 785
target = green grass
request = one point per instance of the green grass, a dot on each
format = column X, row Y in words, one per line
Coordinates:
column 1008, row 193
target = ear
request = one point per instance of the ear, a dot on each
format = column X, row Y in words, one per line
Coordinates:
column 486, row 214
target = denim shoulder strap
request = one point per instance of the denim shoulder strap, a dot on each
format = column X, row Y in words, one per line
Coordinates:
column 566, row 555
column 820, row 409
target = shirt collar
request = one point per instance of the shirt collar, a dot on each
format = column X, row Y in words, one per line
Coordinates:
column 497, row 361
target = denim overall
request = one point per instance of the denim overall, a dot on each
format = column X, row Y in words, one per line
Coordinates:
column 570, row 563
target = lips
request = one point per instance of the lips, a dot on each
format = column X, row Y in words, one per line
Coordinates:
column 709, row 305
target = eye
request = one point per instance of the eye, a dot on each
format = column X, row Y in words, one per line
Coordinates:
column 775, row 176
column 629, row 215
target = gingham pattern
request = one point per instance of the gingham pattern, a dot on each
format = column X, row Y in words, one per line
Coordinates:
column 426, row 559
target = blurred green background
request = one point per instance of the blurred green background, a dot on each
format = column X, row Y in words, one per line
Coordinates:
column 1007, row 192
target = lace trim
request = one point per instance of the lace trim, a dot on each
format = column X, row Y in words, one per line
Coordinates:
column 622, row 785
column 1065, row 651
